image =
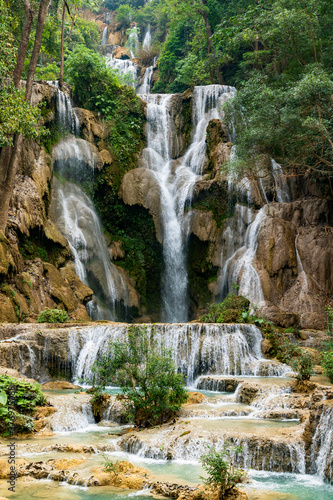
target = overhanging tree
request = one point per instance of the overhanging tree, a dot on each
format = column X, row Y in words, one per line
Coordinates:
column 11, row 150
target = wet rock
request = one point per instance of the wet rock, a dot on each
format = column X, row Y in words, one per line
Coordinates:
column 60, row 385
column 5, row 466
column 218, row 383
column 121, row 53
column 195, row 398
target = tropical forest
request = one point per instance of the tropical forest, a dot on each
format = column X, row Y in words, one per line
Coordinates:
column 166, row 249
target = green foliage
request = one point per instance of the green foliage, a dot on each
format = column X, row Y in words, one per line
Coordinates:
column 327, row 364
column 133, row 227
column 125, row 15
column 48, row 72
column 111, row 465
column 234, row 309
column 283, row 106
column 282, row 347
column 97, row 87
column 303, row 365
column 329, row 312
column 53, row 316
column 147, row 376
column 220, row 469
column 18, row 400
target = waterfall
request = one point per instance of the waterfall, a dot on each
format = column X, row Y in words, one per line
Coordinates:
column 176, row 183
column 144, row 88
column 304, row 294
column 321, row 452
column 105, row 36
column 147, row 39
column 125, row 67
column 133, row 42
column 76, row 218
column 197, row 349
column 71, row 415
column 66, row 117
column 240, row 240
column 281, row 185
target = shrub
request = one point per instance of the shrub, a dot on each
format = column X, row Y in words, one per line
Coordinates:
column 228, row 311
column 327, row 362
column 147, row 376
column 18, row 400
column 53, row 316
column 303, row 365
column 221, row 471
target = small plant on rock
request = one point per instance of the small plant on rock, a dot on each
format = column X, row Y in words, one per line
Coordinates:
column 220, row 468
column 303, row 365
column 53, row 316
column 327, row 363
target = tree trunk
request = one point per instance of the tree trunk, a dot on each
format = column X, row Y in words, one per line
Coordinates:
column 29, row 15
column 10, row 159
column 43, row 8
column 61, row 76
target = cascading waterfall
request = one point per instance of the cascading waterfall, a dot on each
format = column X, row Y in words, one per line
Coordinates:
column 239, row 249
column 304, row 295
column 321, row 452
column 105, row 36
column 197, row 348
column 76, row 218
column 147, row 39
column 281, row 185
column 74, row 214
column 125, row 67
column 133, row 42
column 66, row 117
column 176, row 183
column 144, row 88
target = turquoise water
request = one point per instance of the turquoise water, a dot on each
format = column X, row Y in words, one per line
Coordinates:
column 304, row 487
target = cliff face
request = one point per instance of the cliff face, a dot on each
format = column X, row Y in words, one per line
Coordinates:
column 36, row 269
column 291, row 255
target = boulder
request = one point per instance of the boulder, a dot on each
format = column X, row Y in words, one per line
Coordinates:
column 121, row 53
column 58, row 288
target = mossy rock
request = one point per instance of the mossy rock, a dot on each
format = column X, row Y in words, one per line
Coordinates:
column 236, row 302
column 230, row 316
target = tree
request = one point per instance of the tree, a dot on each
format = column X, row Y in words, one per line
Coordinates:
column 10, row 155
column 283, row 106
column 220, row 468
column 147, row 376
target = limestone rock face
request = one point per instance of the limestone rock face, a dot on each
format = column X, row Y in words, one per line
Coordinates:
column 121, row 53
column 91, row 130
column 139, row 187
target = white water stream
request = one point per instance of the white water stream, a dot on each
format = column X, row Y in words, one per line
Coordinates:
column 176, row 182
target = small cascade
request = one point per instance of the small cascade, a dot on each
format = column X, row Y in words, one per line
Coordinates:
column 125, row 67
column 144, row 88
column 197, row 348
column 283, row 193
column 105, row 36
column 71, row 415
column 147, row 39
column 176, row 183
column 321, row 452
column 259, row 454
column 238, row 255
column 133, row 42
column 66, row 117
column 304, row 297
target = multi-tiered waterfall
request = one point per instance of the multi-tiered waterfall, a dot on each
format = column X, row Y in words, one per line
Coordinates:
column 176, row 180
column 74, row 161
